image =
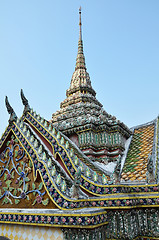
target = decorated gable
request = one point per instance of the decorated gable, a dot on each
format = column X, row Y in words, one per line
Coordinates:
column 20, row 186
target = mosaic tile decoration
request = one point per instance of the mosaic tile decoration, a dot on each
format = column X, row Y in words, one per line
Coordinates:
column 19, row 232
column 135, row 166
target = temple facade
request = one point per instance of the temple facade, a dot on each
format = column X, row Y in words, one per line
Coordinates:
column 82, row 175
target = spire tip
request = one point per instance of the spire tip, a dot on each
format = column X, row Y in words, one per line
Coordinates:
column 80, row 24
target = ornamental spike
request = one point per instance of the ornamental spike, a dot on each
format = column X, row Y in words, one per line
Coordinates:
column 28, row 134
column 63, row 186
column 35, row 143
column 21, row 124
column 44, row 156
column 58, row 179
column 24, row 128
column 53, row 172
column 40, row 149
column 13, row 117
column 32, row 138
column 25, row 102
column 45, row 124
column 49, row 163
column 80, row 60
column 88, row 173
column 50, row 127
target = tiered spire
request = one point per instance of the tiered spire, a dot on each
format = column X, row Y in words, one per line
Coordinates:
column 80, row 60
column 80, row 89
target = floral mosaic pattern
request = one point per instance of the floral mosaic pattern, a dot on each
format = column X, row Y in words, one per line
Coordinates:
column 16, row 177
column 56, row 220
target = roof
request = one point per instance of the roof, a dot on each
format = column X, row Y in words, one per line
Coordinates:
column 56, row 159
column 38, row 166
column 142, row 144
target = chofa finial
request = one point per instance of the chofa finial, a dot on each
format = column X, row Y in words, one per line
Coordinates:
column 10, row 110
column 25, row 102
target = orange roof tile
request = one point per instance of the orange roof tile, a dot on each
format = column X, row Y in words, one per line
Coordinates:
column 141, row 145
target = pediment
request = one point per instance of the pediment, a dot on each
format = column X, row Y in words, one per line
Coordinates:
column 20, row 186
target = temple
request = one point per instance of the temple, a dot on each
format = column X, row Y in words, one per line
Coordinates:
column 81, row 175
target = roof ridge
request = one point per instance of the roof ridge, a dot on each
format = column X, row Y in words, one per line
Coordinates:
column 143, row 125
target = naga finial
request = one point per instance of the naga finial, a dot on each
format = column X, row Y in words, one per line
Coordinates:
column 10, row 110
column 25, row 102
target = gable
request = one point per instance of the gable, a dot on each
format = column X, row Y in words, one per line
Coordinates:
column 20, row 187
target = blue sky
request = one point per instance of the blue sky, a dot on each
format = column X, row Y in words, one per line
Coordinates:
column 38, row 48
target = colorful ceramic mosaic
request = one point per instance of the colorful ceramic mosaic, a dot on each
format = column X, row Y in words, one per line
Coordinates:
column 87, row 219
column 16, row 178
column 109, row 190
column 82, row 118
column 135, row 167
column 134, row 224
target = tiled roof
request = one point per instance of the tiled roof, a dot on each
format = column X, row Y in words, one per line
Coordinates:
column 141, row 145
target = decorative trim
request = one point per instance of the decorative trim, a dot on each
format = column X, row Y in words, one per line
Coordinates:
column 63, row 219
column 105, row 189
